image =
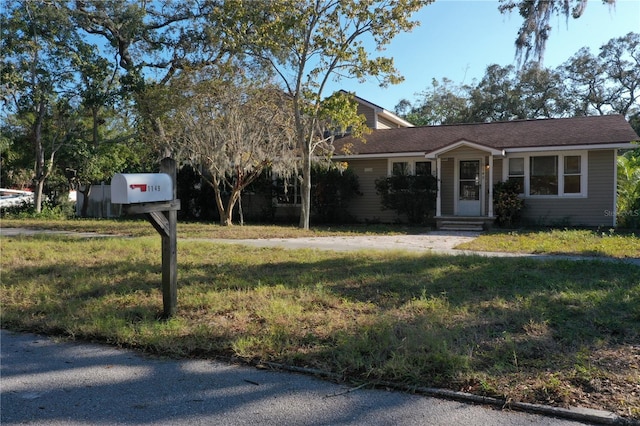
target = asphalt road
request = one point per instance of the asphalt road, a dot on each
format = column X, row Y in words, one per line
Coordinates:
column 44, row 382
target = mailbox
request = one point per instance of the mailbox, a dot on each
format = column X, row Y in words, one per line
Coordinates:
column 132, row 188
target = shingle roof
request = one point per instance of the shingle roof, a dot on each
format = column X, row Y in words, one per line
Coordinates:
column 560, row 132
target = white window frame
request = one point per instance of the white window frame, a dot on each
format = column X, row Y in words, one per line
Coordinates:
column 411, row 163
column 584, row 172
column 508, row 170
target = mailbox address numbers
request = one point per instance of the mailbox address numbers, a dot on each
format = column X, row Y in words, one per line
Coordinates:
column 143, row 187
column 132, row 188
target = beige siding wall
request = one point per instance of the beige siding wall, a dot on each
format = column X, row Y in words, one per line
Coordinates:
column 367, row 207
column 497, row 177
column 370, row 115
column 385, row 124
column 593, row 210
column 590, row 211
column 447, row 186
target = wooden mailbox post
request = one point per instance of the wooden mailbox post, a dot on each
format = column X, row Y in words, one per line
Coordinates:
column 154, row 195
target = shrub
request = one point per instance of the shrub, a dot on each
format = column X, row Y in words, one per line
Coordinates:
column 412, row 196
column 331, row 191
column 507, row 203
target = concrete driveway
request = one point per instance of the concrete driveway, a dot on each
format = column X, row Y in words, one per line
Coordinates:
column 436, row 241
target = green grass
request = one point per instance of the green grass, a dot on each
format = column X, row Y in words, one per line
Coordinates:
column 568, row 242
column 517, row 328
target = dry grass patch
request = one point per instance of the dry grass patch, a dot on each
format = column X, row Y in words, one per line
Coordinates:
column 557, row 332
column 139, row 227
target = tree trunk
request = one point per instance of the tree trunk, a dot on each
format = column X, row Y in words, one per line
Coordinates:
column 225, row 219
column 305, row 188
column 233, row 199
column 40, row 163
column 86, row 192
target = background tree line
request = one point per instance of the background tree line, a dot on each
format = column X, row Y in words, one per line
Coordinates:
column 586, row 84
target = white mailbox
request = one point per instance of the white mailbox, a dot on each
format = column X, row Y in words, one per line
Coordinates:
column 132, row 188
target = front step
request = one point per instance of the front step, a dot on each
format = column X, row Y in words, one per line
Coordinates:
column 463, row 224
column 460, row 226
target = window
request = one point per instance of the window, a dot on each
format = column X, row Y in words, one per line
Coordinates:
column 563, row 174
column 410, row 166
column 572, row 174
column 400, row 168
column 543, row 175
column 423, row 168
column 516, row 172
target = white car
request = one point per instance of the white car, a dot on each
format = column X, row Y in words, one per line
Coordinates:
column 14, row 197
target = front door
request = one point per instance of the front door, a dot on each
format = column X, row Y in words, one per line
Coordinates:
column 469, row 188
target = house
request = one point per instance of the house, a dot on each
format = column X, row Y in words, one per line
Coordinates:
column 566, row 168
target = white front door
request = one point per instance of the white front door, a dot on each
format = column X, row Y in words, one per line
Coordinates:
column 469, row 188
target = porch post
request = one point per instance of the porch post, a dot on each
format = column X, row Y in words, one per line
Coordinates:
column 490, row 212
column 438, row 196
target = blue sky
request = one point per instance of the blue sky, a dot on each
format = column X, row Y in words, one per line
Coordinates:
column 457, row 39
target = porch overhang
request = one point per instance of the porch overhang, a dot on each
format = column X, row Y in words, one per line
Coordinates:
column 465, row 144
column 491, row 152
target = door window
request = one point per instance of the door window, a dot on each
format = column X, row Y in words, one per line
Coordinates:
column 470, row 180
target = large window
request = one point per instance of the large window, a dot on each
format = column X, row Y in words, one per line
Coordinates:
column 544, row 175
column 560, row 174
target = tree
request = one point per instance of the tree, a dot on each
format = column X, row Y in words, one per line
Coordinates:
column 445, row 103
column 236, row 130
column 504, row 93
column 104, row 146
column 586, row 83
column 629, row 189
column 308, row 42
column 607, row 83
column 620, row 58
column 153, row 42
column 507, row 93
column 534, row 32
column 37, row 45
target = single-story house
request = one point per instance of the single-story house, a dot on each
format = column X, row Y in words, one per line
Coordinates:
column 566, row 167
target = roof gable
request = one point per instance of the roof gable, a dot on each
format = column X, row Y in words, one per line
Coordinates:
column 467, row 144
column 380, row 112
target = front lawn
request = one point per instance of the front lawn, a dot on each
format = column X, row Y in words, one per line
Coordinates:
column 567, row 242
column 554, row 332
